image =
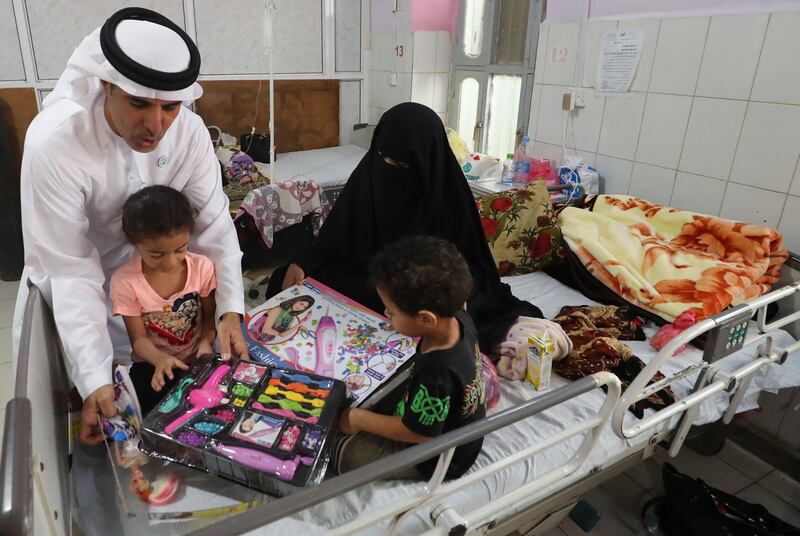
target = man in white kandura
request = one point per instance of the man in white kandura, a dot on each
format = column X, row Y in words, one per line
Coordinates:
column 115, row 123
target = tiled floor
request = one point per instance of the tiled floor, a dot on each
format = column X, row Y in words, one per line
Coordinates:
column 733, row 470
column 619, row 500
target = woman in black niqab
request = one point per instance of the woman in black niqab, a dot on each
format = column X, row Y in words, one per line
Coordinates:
column 408, row 183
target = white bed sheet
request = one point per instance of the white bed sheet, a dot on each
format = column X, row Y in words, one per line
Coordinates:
column 550, row 296
column 329, row 167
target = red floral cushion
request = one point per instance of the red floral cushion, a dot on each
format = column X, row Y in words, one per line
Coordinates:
column 521, row 229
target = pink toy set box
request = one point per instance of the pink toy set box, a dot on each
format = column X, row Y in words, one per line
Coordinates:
column 267, row 423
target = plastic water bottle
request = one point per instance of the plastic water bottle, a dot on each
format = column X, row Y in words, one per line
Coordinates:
column 522, row 162
column 507, row 179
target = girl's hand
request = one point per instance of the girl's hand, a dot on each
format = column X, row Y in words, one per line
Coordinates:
column 294, row 275
column 164, row 366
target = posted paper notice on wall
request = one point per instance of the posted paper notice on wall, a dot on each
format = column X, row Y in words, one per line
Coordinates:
column 619, row 58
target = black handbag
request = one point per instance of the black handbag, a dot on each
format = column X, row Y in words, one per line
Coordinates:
column 691, row 507
column 256, row 146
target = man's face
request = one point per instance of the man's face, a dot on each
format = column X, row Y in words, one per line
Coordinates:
column 140, row 122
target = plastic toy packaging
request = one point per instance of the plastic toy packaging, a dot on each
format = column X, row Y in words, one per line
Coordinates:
column 262, row 426
column 123, row 431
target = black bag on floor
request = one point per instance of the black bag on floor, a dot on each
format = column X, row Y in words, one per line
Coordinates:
column 691, row 507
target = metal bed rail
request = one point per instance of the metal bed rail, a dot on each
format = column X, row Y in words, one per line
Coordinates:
column 445, row 518
column 34, row 497
column 34, row 461
column 711, row 379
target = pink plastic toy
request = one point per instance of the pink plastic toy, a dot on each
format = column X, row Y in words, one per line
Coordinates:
column 201, row 398
column 326, row 345
column 262, row 461
column 670, row 331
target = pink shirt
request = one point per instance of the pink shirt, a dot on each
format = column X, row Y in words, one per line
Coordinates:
column 173, row 324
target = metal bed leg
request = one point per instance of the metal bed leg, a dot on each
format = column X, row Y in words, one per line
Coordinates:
column 689, row 416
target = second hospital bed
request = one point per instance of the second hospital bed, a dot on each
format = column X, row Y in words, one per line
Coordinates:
column 541, row 450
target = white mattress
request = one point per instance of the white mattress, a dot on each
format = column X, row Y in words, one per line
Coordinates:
column 329, row 167
column 550, row 296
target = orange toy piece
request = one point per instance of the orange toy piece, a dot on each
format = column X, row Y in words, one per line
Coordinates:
column 298, row 387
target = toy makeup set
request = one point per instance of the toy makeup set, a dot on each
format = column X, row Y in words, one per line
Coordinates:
column 312, row 328
column 264, row 427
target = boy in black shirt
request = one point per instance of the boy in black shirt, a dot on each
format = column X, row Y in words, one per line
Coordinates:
column 424, row 283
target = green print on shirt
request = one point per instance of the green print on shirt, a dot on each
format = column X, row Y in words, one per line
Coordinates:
column 429, row 408
column 400, row 410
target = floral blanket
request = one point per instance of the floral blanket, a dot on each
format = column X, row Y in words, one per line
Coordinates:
column 667, row 260
column 278, row 206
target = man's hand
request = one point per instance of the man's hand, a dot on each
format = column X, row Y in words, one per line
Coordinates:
column 294, row 275
column 231, row 340
column 164, row 367
column 206, row 346
column 100, row 402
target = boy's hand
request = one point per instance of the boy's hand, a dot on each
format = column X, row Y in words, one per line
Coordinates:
column 294, row 275
column 163, row 367
column 347, row 421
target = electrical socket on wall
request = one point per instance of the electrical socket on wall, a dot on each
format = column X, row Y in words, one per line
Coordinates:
column 573, row 99
column 393, row 79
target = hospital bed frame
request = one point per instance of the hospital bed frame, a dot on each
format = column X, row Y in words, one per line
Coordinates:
column 34, row 499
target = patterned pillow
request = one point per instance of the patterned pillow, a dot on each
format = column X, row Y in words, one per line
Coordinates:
column 521, row 229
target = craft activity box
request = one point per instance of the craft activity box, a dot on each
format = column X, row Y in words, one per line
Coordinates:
column 312, row 328
column 262, row 426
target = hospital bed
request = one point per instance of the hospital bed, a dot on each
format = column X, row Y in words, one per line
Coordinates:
column 541, row 451
column 329, row 167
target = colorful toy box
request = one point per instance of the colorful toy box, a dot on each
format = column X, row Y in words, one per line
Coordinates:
column 312, row 328
column 265, row 427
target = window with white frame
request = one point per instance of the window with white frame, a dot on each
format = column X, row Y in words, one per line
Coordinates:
column 492, row 78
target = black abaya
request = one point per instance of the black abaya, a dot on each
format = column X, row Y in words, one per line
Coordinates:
column 429, row 195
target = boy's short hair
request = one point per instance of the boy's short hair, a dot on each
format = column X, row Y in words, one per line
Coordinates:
column 156, row 211
column 423, row 273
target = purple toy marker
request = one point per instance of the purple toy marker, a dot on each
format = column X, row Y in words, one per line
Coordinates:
column 285, row 413
column 325, row 345
column 283, row 469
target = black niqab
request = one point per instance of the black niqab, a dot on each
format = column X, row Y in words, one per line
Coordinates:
column 382, row 203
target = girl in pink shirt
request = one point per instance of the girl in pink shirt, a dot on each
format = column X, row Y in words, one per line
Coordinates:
column 165, row 293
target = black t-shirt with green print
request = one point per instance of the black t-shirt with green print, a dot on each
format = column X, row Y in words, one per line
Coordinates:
column 446, row 391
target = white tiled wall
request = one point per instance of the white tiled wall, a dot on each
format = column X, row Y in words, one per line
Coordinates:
column 383, row 95
column 230, row 36
column 711, row 124
column 423, row 71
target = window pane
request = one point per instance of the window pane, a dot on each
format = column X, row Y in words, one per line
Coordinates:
column 473, row 27
column 468, row 110
column 503, row 110
column 512, row 29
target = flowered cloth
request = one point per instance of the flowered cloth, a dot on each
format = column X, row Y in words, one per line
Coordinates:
column 595, row 332
column 276, row 207
column 668, row 261
column 521, row 229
